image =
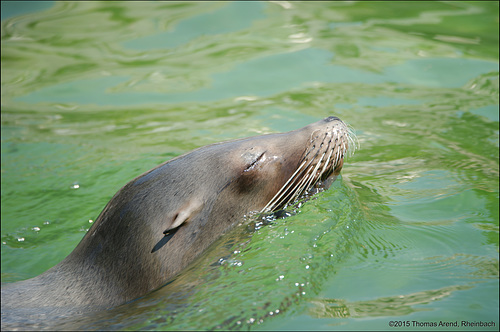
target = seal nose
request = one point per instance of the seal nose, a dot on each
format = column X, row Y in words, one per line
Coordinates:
column 332, row 118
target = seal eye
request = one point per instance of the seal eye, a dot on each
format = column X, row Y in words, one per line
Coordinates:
column 255, row 161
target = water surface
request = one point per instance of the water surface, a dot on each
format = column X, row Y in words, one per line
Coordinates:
column 95, row 93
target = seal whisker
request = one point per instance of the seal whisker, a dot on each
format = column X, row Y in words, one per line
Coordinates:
column 352, row 141
column 291, row 188
column 313, row 168
column 313, row 174
column 299, row 187
column 327, row 163
column 282, row 190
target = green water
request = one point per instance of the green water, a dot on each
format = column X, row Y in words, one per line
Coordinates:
column 95, row 93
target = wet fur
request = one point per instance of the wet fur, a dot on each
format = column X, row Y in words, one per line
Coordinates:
column 192, row 199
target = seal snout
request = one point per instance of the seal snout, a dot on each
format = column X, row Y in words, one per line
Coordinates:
column 332, row 118
column 320, row 164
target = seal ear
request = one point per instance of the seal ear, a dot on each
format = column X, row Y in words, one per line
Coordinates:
column 186, row 212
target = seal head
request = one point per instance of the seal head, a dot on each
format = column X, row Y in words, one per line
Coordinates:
column 159, row 222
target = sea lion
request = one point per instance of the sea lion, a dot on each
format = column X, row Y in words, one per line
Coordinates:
column 162, row 220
